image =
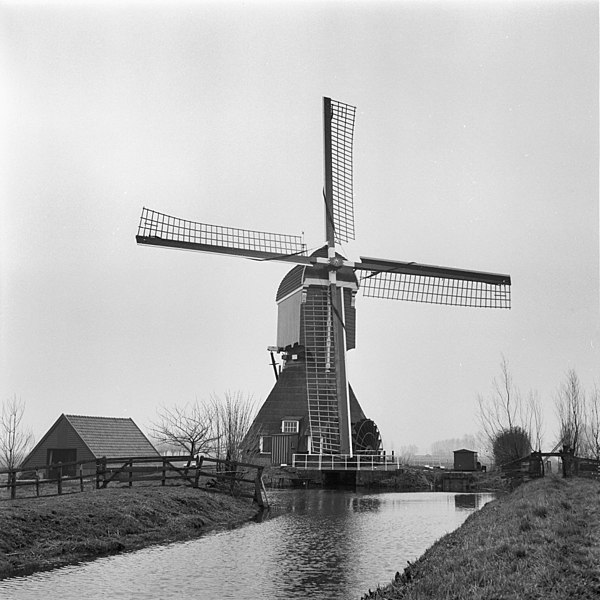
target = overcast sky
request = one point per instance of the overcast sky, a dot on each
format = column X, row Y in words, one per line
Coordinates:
column 476, row 146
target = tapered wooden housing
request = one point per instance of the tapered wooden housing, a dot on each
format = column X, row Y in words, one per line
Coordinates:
column 301, row 414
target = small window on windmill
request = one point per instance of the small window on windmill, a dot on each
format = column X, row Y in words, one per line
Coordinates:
column 289, row 426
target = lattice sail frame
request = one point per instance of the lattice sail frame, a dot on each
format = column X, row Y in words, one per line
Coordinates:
column 434, row 290
column 318, row 336
column 321, row 386
column 342, row 133
column 154, row 224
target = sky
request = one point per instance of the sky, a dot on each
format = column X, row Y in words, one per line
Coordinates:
column 475, row 146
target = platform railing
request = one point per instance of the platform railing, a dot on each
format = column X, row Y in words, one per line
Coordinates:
column 345, row 462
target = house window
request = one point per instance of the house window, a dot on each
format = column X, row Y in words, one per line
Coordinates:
column 266, row 444
column 289, row 426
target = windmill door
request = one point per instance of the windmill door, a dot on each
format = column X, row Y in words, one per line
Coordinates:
column 284, row 445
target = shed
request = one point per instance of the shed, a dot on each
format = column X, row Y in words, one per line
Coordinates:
column 465, row 460
column 78, row 438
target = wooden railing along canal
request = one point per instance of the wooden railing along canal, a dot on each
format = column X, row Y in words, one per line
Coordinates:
column 344, row 462
column 226, row 476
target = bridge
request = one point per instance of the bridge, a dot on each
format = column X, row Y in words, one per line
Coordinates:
column 346, row 462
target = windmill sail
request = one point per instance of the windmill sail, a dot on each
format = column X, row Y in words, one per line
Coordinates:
column 312, row 407
column 339, row 132
column 158, row 229
column 415, row 282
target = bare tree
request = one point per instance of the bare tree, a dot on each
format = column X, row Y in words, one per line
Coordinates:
column 501, row 410
column 504, row 416
column 571, row 412
column 593, row 428
column 536, row 420
column 14, row 439
column 232, row 418
column 188, row 428
column 448, row 446
column 406, row 454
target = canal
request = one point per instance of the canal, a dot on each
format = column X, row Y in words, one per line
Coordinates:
column 321, row 544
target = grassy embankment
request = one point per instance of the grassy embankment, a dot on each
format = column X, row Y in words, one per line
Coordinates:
column 48, row 532
column 541, row 541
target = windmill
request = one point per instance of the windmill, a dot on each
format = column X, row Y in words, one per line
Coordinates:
column 312, row 408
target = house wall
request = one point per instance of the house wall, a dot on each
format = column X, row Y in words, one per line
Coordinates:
column 465, row 461
column 61, row 436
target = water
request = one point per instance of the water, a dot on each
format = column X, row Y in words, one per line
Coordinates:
column 321, row 544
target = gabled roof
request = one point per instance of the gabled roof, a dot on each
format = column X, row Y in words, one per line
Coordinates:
column 111, row 436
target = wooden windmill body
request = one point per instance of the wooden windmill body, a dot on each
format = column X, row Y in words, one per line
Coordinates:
column 312, row 408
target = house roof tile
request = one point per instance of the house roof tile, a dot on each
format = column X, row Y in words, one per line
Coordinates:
column 111, row 436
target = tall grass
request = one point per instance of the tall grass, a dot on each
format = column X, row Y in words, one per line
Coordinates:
column 542, row 541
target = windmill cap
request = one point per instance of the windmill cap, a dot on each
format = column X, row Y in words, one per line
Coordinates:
column 301, row 274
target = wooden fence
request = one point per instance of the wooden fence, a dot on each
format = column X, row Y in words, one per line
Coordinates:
column 533, row 466
column 225, row 476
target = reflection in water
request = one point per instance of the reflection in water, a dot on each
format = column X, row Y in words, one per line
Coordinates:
column 366, row 503
column 317, row 544
column 466, row 501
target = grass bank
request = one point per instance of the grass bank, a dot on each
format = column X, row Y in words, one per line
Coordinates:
column 52, row 531
column 541, row 541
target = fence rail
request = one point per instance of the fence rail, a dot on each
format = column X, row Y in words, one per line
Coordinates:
column 345, row 462
column 532, row 465
column 214, row 474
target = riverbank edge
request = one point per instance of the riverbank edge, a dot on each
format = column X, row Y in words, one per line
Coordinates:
column 539, row 541
column 46, row 533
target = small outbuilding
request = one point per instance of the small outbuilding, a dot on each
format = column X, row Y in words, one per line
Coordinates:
column 78, row 438
column 465, row 460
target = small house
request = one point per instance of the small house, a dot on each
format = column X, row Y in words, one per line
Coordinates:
column 78, row 438
column 465, row 460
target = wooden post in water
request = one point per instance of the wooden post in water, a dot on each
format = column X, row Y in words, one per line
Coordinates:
column 259, row 488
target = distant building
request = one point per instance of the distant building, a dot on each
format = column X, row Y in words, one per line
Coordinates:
column 465, row 460
column 78, row 438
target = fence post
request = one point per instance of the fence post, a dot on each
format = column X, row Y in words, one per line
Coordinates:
column 199, row 460
column 131, row 472
column 59, row 480
column 12, row 478
column 81, row 477
column 100, row 470
column 164, row 471
column 37, row 483
column 233, row 471
column 258, row 488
